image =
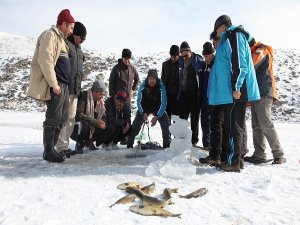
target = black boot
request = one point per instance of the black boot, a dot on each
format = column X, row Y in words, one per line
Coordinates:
column 50, row 154
column 79, row 148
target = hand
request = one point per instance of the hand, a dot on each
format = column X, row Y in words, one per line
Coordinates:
column 145, row 116
column 236, row 94
column 153, row 121
column 101, row 124
column 56, row 90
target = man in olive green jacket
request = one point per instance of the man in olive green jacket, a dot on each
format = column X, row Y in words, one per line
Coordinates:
column 49, row 80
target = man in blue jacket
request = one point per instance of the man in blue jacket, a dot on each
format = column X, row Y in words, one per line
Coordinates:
column 232, row 83
column 151, row 99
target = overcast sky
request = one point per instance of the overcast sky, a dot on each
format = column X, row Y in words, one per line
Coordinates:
column 153, row 26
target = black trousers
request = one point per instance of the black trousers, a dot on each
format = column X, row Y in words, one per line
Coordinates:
column 172, row 105
column 228, row 130
column 205, row 114
column 57, row 113
column 189, row 105
column 138, row 123
column 100, row 135
column 118, row 135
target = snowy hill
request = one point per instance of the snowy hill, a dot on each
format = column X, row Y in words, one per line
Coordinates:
column 16, row 54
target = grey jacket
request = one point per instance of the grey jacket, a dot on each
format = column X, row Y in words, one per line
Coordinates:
column 76, row 59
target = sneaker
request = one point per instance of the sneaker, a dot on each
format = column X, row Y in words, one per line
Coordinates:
column 210, row 161
column 255, row 160
column 129, row 145
column 279, row 161
column 230, row 168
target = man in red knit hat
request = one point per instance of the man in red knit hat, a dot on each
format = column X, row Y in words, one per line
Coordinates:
column 49, row 80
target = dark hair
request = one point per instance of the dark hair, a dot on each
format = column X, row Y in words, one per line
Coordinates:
column 227, row 24
column 213, row 36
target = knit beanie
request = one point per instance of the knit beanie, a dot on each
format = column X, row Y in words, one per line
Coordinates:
column 126, row 53
column 208, row 49
column 79, row 29
column 222, row 20
column 121, row 95
column 98, row 85
column 174, row 50
column 184, row 46
column 65, row 16
column 152, row 73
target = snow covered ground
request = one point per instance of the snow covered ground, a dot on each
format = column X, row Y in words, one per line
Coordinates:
column 80, row 190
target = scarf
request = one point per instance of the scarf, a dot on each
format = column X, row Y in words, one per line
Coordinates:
column 185, row 73
column 91, row 109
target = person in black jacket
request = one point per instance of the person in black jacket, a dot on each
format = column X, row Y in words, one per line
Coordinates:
column 91, row 119
column 190, row 66
column 76, row 60
column 151, row 99
column 170, row 78
column 205, row 108
column 118, row 114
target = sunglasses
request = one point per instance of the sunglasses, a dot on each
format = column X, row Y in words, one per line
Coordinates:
column 185, row 56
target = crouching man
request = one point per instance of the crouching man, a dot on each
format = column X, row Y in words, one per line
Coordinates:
column 151, row 99
column 91, row 120
column 118, row 115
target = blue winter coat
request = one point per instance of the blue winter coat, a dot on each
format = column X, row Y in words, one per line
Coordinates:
column 152, row 100
column 233, row 70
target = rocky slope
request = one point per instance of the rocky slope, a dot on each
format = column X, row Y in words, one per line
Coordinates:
column 16, row 54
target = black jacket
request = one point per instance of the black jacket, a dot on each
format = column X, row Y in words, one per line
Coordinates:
column 76, row 60
column 203, row 83
column 152, row 100
column 170, row 77
column 120, row 118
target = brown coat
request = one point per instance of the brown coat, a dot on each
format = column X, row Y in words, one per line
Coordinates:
column 124, row 78
column 49, row 46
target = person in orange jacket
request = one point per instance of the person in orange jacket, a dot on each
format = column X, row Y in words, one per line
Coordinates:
column 262, row 125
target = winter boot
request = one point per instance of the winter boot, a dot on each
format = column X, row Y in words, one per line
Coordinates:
column 50, row 154
column 279, row 161
column 79, row 148
column 230, row 168
column 210, row 161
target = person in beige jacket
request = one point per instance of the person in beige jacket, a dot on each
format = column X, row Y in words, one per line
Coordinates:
column 49, row 80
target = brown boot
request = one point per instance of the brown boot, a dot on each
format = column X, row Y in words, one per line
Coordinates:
column 210, row 161
column 230, row 168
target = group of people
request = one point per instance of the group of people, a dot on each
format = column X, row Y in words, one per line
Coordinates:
column 236, row 71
